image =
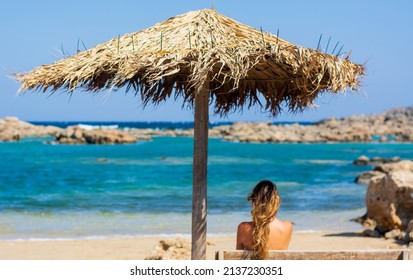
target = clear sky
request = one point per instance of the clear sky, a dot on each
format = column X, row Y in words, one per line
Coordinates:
column 378, row 33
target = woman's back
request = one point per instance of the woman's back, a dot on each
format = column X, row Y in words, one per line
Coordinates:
column 279, row 235
column 265, row 232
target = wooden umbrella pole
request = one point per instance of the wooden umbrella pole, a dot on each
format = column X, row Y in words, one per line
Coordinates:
column 199, row 176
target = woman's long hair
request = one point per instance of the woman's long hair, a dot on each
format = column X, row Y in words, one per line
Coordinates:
column 265, row 204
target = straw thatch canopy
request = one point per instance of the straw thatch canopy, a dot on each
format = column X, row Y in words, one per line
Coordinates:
column 206, row 58
column 184, row 53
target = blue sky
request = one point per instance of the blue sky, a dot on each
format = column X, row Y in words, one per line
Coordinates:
column 378, row 33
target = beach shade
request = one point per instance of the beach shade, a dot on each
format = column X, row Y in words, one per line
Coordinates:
column 208, row 60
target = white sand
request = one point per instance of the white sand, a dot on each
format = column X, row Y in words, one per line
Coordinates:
column 140, row 247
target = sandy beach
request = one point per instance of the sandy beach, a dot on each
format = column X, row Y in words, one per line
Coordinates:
column 141, row 247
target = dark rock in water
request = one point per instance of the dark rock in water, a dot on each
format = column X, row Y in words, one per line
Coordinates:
column 380, row 160
column 361, row 160
column 383, row 138
column 375, row 161
column 365, row 177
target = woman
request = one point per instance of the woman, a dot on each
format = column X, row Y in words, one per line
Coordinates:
column 265, row 232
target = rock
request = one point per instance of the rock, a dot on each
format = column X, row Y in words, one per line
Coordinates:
column 143, row 137
column 389, row 200
column 9, row 137
column 395, row 166
column 365, row 177
column 409, row 226
column 371, row 233
column 369, row 223
column 361, row 160
column 13, row 129
column 392, row 124
column 365, row 221
column 409, row 232
column 375, row 161
column 381, row 160
column 177, row 249
column 394, row 234
column 77, row 135
column 383, row 138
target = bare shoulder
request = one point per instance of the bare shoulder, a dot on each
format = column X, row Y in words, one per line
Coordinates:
column 244, row 235
column 245, row 226
column 288, row 225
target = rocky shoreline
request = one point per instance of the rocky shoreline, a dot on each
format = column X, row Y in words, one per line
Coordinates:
column 13, row 129
column 393, row 125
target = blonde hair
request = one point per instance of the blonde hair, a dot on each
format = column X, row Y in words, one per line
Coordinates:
column 265, row 204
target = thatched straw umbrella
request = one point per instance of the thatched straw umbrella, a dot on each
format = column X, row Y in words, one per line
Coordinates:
column 206, row 58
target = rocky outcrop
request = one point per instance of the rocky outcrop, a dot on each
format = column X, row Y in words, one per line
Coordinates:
column 392, row 125
column 150, row 132
column 292, row 133
column 13, row 129
column 77, row 135
column 389, row 201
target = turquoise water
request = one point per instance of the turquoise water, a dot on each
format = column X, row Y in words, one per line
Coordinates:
column 84, row 191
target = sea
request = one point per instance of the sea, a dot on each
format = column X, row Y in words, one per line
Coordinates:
column 54, row 191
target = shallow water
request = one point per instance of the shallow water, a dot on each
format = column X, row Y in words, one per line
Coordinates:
column 82, row 191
